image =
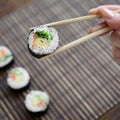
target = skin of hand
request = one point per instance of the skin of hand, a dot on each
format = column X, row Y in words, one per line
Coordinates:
column 112, row 19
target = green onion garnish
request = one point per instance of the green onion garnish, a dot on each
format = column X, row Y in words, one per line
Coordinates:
column 44, row 34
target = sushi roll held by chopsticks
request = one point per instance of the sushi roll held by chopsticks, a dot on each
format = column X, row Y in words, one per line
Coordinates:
column 43, row 40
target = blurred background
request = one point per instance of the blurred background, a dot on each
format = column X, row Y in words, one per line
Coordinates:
column 83, row 83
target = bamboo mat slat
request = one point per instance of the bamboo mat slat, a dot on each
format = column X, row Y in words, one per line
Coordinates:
column 82, row 82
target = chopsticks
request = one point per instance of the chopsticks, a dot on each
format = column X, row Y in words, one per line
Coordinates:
column 78, row 41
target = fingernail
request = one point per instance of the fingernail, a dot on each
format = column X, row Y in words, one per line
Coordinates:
column 92, row 10
column 107, row 13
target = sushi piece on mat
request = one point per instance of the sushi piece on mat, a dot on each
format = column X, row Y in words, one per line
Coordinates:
column 43, row 40
column 6, row 56
column 18, row 78
column 37, row 101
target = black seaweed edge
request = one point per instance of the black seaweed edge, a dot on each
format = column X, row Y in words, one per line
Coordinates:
column 7, row 65
column 38, row 113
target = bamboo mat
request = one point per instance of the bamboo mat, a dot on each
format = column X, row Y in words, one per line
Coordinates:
column 82, row 82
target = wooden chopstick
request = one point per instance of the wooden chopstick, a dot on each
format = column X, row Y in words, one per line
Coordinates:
column 78, row 41
column 73, row 20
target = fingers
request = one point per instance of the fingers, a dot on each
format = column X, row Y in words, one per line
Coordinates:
column 111, row 18
column 97, row 27
column 116, row 52
column 110, row 7
column 115, row 38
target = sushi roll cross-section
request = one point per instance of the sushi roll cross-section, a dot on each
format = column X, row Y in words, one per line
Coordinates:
column 43, row 40
column 6, row 56
column 37, row 101
column 18, row 78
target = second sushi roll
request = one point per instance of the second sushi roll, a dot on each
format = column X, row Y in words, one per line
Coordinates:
column 18, row 78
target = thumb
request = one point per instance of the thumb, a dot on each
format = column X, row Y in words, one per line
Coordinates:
column 111, row 18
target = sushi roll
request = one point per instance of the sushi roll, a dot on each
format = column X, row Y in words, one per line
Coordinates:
column 18, row 78
column 37, row 101
column 43, row 40
column 6, row 56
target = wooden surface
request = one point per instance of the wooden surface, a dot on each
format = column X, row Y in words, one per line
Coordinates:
column 8, row 6
column 83, row 82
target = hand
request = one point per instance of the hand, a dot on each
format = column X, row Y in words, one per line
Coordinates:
column 112, row 19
